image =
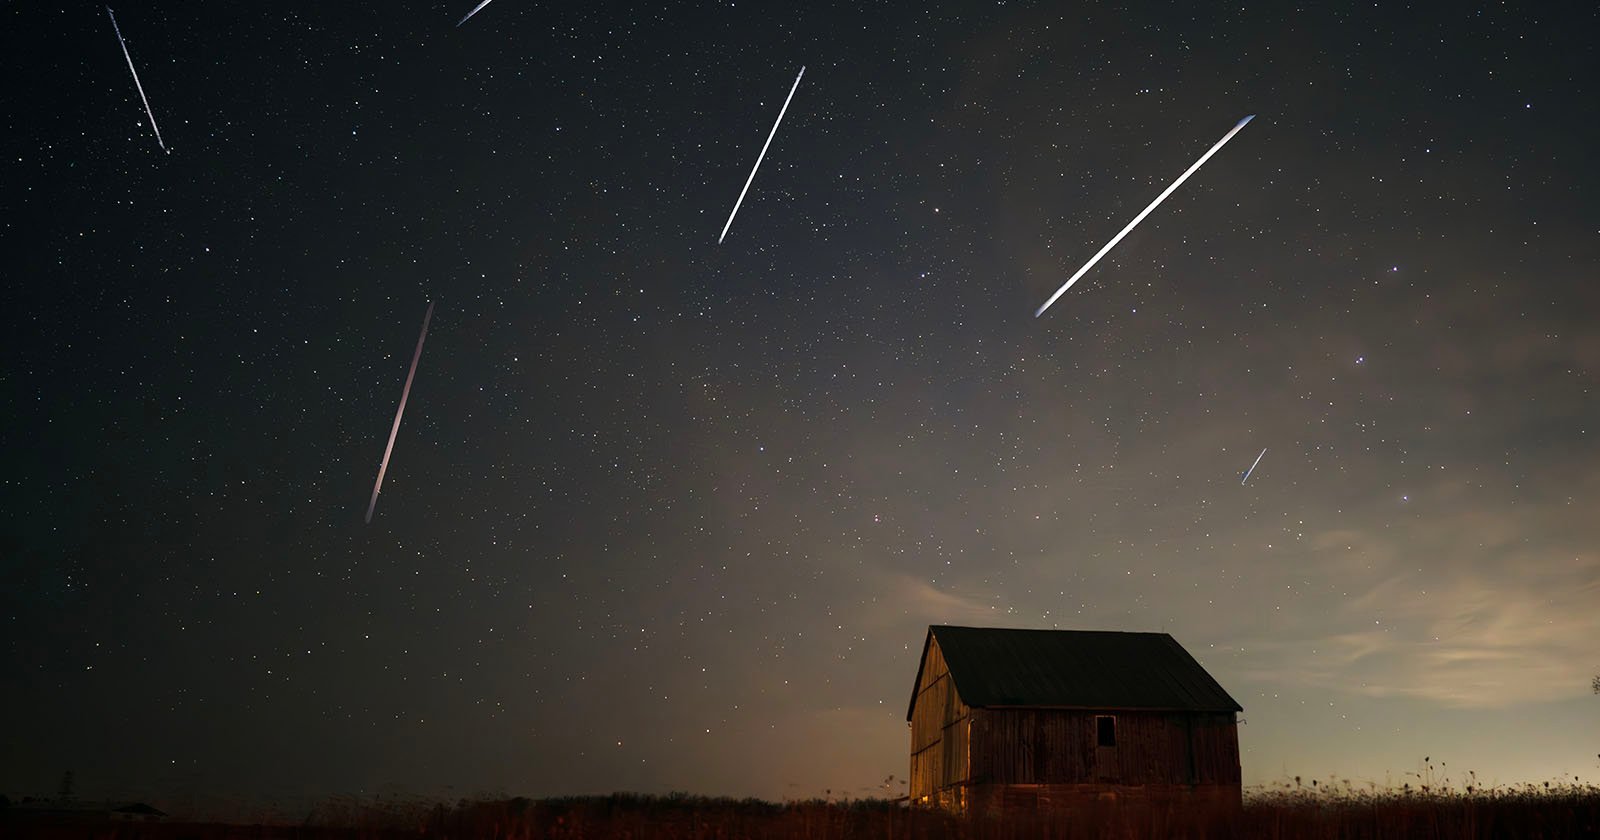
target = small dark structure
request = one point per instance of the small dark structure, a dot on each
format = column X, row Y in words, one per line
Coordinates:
column 1053, row 718
column 138, row 812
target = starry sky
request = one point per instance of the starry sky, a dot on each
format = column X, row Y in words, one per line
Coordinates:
column 665, row 514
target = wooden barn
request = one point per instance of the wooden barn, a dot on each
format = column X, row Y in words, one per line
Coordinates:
column 1054, row 718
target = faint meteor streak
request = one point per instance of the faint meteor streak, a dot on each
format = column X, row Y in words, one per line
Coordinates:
column 1252, row 468
column 1139, row 218
column 475, row 10
column 405, row 394
column 136, row 82
column 761, row 156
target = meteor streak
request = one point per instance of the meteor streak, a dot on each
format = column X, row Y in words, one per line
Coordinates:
column 1252, row 468
column 1139, row 218
column 761, row 156
column 474, row 11
column 136, row 83
column 404, row 395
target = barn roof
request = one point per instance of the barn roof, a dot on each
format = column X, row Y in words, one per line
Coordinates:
column 1082, row 669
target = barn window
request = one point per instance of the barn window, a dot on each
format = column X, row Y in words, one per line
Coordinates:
column 1106, row 727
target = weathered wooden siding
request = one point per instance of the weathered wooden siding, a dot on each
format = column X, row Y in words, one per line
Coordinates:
column 1047, row 746
column 939, row 730
column 1216, row 748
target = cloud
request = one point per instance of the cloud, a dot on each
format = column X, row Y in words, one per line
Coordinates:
column 1473, row 639
column 906, row 596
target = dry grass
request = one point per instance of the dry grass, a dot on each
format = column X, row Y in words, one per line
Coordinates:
column 1339, row 810
column 1345, row 811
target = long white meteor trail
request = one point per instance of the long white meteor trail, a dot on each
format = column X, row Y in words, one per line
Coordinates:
column 1252, row 468
column 761, row 156
column 475, row 10
column 136, row 83
column 404, row 395
column 1139, row 218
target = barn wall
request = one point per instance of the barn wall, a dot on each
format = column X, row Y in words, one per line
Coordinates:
column 1049, row 746
column 1216, row 748
column 939, row 730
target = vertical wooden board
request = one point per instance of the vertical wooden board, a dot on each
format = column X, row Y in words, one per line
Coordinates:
column 920, row 785
column 1186, row 746
column 947, row 759
column 933, row 667
column 978, row 745
column 999, row 734
column 1142, row 751
column 954, row 751
column 927, row 716
column 1083, row 735
column 1228, row 733
column 1216, row 749
column 1205, row 749
column 952, row 701
column 1002, row 733
column 1210, row 749
column 1023, row 755
column 967, row 747
column 1027, row 724
column 1042, row 745
column 1062, row 753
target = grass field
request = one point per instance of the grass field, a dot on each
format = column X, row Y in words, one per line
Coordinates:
column 1287, row 811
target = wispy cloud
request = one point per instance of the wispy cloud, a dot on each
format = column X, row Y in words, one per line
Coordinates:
column 909, row 597
column 1524, row 634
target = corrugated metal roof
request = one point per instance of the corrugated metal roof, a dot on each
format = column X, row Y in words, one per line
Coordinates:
column 1085, row 669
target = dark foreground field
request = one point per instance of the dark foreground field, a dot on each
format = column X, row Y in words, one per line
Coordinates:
column 1527, row 812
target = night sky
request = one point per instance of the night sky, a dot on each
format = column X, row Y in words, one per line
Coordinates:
column 665, row 514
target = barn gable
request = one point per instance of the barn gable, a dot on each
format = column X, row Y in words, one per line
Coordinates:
column 941, row 730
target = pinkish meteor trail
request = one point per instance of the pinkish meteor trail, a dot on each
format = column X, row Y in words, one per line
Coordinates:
column 1252, row 467
column 1139, row 218
column 399, row 412
column 136, row 82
